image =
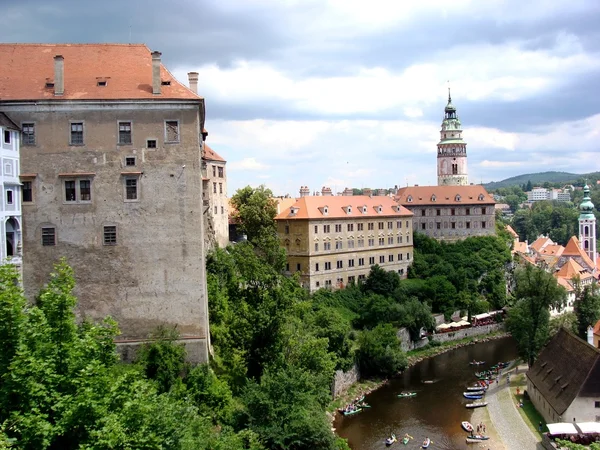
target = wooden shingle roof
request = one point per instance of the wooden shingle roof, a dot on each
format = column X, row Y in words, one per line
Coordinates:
column 566, row 368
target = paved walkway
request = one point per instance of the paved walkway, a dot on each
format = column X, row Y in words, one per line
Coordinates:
column 507, row 420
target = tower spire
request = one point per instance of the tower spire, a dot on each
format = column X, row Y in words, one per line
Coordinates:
column 452, row 150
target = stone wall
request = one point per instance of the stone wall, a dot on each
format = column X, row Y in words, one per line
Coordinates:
column 343, row 380
column 467, row 332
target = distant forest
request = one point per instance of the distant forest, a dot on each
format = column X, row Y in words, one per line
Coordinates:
column 538, row 179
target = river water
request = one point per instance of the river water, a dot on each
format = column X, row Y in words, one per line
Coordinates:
column 436, row 411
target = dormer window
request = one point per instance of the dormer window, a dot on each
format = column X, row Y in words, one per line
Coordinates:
column 457, row 198
column 49, row 84
column 348, row 209
column 294, row 210
column 364, row 209
column 325, row 210
column 101, row 83
column 480, row 197
column 433, row 198
column 409, row 199
column 379, row 209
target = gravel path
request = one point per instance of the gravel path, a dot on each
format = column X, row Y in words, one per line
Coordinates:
column 509, row 424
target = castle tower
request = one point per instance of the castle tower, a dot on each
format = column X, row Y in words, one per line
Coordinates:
column 587, row 225
column 452, row 150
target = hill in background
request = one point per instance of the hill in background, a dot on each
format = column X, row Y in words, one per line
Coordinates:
column 538, row 179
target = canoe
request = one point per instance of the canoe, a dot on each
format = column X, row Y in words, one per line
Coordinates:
column 405, row 440
column 476, row 404
column 354, row 411
column 389, row 441
column 363, row 405
column 476, row 388
column 476, row 363
column 479, row 392
column 476, row 438
column 407, row 394
column 426, row 443
column 472, row 397
column 467, row 426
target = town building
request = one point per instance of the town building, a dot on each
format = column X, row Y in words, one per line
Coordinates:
column 450, row 213
column 540, row 194
column 111, row 159
column 563, row 382
column 11, row 246
column 216, row 203
column 451, row 150
column 334, row 240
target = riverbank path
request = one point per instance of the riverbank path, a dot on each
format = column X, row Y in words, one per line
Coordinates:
column 509, row 424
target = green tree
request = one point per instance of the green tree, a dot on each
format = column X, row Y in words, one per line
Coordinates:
column 255, row 211
column 528, row 186
column 381, row 281
column 586, row 307
column 380, row 352
column 536, row 292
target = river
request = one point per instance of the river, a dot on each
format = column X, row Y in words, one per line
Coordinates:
column 436, row 411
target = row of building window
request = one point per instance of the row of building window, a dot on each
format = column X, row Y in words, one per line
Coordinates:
column 109, row 236
column 360, row 243
column 351, row 279
column 215, row 188
column 438, row 225
column 79, row 190
column 438, row 212
column 359, row 227
column 339, row 264
column 125, row 129
column 217, row 209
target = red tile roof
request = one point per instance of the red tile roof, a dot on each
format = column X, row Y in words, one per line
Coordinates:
column 311, row 207
column 444, row 195
column 126, row 68
column 511, row 231
column 573, row 249
column 211, row 155
column 540, row 243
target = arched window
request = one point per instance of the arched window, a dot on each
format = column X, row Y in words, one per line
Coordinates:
column 586, row 231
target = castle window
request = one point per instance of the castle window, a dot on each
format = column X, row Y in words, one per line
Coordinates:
column 110, row 235
column 7, row 136
column 221, row 172
column 77, row 191
column 76, row 137
column 124, row 133
column 27, row 192
column 151, row 143
column 171, row 131
column 48, row 236
column 28, row 134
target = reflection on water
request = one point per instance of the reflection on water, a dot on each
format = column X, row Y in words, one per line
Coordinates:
column 436, row 411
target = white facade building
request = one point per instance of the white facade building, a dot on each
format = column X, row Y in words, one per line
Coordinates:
column 10, row 206
column 539, row 194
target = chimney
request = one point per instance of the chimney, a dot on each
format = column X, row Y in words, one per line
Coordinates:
column 304, row 191
column 326, row 191
column 193, row 81
column 156, row 72
column 59, row 75
column 348, row 192
column 367, row 191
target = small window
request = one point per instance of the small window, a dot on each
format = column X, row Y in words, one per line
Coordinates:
column 215, row 209
column 382, row 259
column 28, row 134
column 101, row 83
column 70, row 191
column 8, row 168
column 596, row 404
column 78, row 191
column 220, row 188
column 165, row 83
column 221, row 172
column 124, row 133
column 287, row 229
column 222, row 210
column 110, row 235
column 299, row 267
column 131, row 189
column 9, row 197
column 7, row 136
column 316, row 267
column 151, row 143
column 172, row 131
column 76, row 133
column 27, row 191
column 130, row 161
column 48, row 236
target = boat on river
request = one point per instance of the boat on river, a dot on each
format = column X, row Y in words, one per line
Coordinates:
column 477, row 388
column 472, row 397
column 475, row 438
column 426, row 443
column 407, row 394
column 405, row 440
column 480, row 392
column 467, row 426
column 349, row 412
column 476, row 404
column 476, row 363
column 389, row 441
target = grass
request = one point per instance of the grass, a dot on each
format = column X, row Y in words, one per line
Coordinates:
column 528, row 412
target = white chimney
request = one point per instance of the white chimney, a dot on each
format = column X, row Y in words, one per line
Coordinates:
column 193, row 81
column 156, row 72
column 59, row 75
column 590, row 336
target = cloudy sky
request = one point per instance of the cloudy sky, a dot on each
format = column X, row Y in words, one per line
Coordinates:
column 351, row 92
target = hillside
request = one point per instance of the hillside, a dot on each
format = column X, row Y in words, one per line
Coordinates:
column 541, row 178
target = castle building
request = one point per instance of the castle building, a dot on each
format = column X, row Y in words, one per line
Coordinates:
column 450, row 213
column 334, row 240
column 12, row 195
column 216, row 203
column 111, row 171
column 452, row 150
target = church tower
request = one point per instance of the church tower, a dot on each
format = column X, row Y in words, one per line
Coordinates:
column 587, row 225
column 452, row 150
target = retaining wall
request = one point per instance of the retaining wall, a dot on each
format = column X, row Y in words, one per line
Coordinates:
column 467, row 332
column 343, row 380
